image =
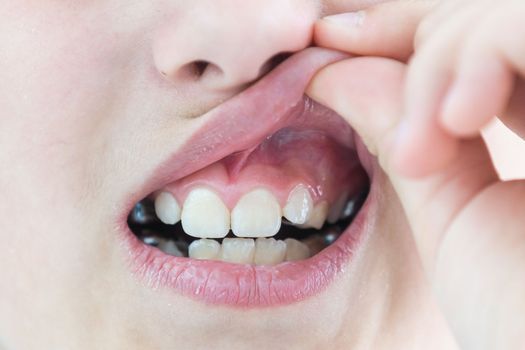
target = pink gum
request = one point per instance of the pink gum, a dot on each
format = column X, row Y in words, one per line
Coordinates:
column 279, row 180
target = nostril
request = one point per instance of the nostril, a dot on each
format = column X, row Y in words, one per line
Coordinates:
column 199, row 67
column 273, row 62
column 196, row 70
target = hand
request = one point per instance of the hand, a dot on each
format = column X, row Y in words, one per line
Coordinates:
column 468, row 225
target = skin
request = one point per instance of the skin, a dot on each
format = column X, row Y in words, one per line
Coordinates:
column 92, row 101
column 474, row 250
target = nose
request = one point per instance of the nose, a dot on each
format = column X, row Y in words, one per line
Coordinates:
column 223, row 45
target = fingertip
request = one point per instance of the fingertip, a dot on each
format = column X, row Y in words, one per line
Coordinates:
column 324, row 86
column 347, row 20
column 340, row 32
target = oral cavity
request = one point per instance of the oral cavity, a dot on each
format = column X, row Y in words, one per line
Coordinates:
column 284, row 200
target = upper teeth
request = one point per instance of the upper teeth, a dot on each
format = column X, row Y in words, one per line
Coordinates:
column 215, row 223
column 167, row 208
column 337, row 208
column 299, row 207
column 256, row 214
column 318, row 216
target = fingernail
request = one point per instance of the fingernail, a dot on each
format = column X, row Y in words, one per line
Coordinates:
column 352, row 19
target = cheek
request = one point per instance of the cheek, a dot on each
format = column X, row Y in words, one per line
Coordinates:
column 54, row 75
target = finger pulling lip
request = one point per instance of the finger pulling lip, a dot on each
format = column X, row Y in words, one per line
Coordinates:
column 274, row 102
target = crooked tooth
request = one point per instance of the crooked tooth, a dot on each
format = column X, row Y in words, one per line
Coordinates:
column 237, row 250
column 204, row 249
column 299, row 205
column 296, row 250
column 167, row 208
column 204, row 215
column 336, row 209
column 257, row 214
column 269, row 251
column 318, row 216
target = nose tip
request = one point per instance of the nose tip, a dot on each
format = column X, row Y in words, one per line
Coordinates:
column 224, row 48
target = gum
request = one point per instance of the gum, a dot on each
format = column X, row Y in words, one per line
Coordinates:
column 290, row 157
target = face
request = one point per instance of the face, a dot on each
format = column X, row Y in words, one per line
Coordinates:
column 134, row 136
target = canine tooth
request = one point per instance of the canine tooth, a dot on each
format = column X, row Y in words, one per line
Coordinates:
column 204, row 215
column 337, row 208
column 237, row 250
column 204, row 249
column 318, row 216
column 299, row 205
column 169, row 247
column 257, row 214
column 296, row 250
column 167, row 208
column 269, row 251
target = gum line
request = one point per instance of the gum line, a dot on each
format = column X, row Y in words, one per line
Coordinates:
column 281, row 162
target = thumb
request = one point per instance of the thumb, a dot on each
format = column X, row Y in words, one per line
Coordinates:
column 367, row 93
column 387, row 29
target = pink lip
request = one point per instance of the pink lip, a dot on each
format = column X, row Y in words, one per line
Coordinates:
column 242, row 122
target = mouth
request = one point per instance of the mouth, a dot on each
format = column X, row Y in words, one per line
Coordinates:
column 265, row 205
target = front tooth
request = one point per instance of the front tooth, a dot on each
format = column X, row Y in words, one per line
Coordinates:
column 318, row 216
column 337, row 208
column 296, row 250
column 237, row 250
column 204, row 249
column 299, row 205
column 268, row 251
column 257, row 214
column 167, row 208
column 204, row 215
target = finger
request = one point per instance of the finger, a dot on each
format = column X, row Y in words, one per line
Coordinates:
column 484, row 80
column 384, row 30
column 422, row 145
column 351, row 88
column 438, row 17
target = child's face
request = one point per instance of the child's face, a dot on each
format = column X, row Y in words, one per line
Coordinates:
column 94, row 97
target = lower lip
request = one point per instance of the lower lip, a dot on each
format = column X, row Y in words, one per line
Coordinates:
column 248, row 286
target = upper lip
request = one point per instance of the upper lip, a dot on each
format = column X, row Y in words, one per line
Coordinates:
column 243, row 121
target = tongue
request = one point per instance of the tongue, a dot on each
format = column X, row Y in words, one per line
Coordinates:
column 292, row 156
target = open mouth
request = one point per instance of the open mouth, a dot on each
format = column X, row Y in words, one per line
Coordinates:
column 255, row 211
column 285, row 200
